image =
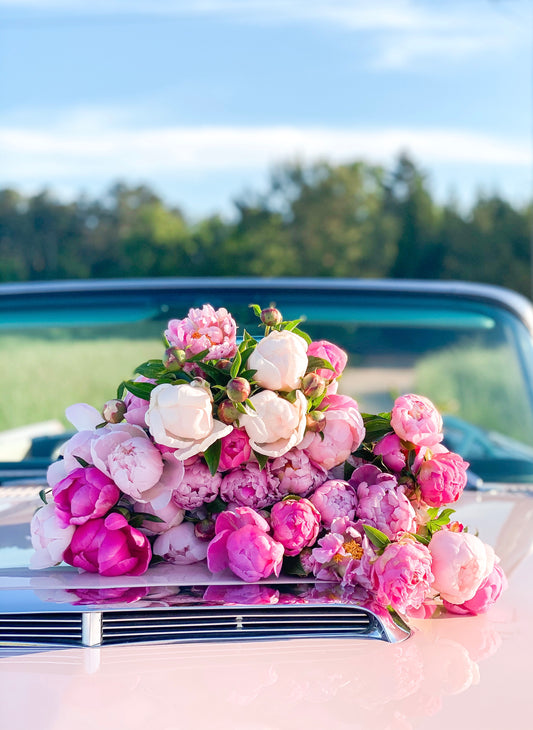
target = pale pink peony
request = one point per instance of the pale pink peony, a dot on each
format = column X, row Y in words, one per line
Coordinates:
column 343, row 433
column 49, row 537
column 333, row 354
column 242, row 543
column 171, row 514
column 235, row 449
column 333, row 499
column 277, row 425
column 461, row 562
column 204, row 329
column 381, row 502
column 109, row 546
column 391, row 451
column 486, row 595
column 136, row 408
column 126, row 454
column 416, row 420
column 249, row 486
column 442, row 478
column 295, row 524
column 297, row 474
column 180, row 546
column 84, row 494
column 79, row 445
column 173, row 472
column 280, row 361
column 401, row 575
column 181, row 416
column 197, row 486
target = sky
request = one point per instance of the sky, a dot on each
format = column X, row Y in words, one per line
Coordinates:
column 201, row 99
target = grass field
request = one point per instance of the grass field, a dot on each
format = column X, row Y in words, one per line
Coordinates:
column 40, row 378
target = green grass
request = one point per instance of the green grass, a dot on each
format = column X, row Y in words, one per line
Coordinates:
column 40, row 377
column 484, row 387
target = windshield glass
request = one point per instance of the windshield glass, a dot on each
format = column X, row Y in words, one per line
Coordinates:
column 473, row 359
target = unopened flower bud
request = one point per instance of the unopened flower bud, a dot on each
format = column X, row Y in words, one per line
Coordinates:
column 223, row 364
column 313, row 385
column 227, row 413
column 271, row 316
column 238, row 390
column 205, row 530
column 315, row 421
column 174, row 358
column 114, row 410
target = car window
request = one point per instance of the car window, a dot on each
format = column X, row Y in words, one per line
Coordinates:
column 473, row 359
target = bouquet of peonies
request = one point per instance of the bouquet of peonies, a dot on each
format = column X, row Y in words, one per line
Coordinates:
column 246, row 455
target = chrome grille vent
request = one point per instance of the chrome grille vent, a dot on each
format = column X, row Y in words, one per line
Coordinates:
column 41, row 628
column 236, row 623
column 190, row 624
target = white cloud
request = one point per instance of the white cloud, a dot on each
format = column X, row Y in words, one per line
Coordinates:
column 62, row 154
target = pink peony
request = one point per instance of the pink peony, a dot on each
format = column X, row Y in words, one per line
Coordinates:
column 442, row 478
column 204, row 329
column 391, row 451
column 295, row 524
column 297, row 474
column 488, row 593
column 343, row 433
column 109, row 546
column 242, row 543
column 416, row 420
column 197, row 486
column 333, row 499
column 79, row 445
column 180, row 546
column 128, row 457
column 333, row 354
column 344, row 554
column 171, row 514
column 49, row 537
column 248, row 595
column 84, row 494
column 136, row 408
column 249, row 486
column 235, row 449
column 401, row 575
column 381, row 502
column 461, row 562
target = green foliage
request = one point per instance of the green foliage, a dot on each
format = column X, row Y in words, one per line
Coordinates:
column 313, row 220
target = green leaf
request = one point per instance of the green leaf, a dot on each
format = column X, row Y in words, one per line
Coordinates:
column 140, row 390
column 432, row 512
column 120, row 390
column 236, row 364
column 261, row 459
column 156, row 559
column 302, row 334
column 149, row 517
column 218, row 376
column 256, row 309
column 290, row 324
column 248, row 403
column 81, row 461
column 198, row 357
column 376, row 427
column 42, row 495
column 212, row 456
column 216, row 506
column 248, row 374
column 376, row 537
column 248, row 340
column 421, row 538
column 398, row 620
column 151, row 369
column 292, row 565
column 314, row 363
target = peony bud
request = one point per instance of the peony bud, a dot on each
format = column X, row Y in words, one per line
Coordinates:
column 238, row 390
column 174, row 358
column 223, row 364
column 114, row 410
column 313, row 385
column 315, row 421
column 227, row 413
column 205, row 530
column 271, row 316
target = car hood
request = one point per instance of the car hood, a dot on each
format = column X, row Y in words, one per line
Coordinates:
column 469, row 671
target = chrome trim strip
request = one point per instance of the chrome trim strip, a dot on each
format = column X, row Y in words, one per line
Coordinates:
column 91, row 629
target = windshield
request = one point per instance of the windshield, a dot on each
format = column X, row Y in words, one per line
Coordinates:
column 473, row 359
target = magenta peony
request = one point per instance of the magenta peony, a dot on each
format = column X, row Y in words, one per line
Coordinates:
column 391, row 451
column 295, row 524
column 84, row 494
column 235, row 449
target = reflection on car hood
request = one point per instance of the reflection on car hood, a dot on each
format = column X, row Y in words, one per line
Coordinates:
column 451, row 670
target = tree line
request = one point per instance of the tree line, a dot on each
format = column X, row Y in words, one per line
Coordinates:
column 351, row 220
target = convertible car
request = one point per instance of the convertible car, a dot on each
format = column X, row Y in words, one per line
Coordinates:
column 180, row 647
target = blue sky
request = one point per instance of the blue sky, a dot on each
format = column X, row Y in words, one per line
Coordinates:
column 199, row 99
